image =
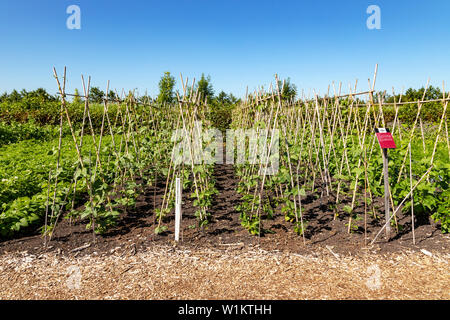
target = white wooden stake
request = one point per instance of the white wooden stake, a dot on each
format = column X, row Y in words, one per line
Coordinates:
column 177, row 209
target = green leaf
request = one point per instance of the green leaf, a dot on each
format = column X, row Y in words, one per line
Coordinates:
column 160, row 229
column 348, row 209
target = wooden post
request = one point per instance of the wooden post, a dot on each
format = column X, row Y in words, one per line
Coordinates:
column 386, row 192
column 386, row 142
column 177, row 209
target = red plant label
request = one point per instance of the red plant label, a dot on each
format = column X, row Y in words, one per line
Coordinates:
column 385, row 138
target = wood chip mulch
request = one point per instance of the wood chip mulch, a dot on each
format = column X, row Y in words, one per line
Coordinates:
column 234, row 272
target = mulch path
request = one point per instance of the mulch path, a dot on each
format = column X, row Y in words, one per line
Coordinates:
column 165, row 272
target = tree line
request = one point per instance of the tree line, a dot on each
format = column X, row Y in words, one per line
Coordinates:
column 43, row 106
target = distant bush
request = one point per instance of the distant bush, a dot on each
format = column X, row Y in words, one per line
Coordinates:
column 14, row 132
column 430, row 113
column 221, row 108
column 48, row 113
column 43, row 109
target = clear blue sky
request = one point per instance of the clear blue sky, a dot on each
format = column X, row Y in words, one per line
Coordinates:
column 237, row 42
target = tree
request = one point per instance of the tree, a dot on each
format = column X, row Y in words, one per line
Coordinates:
column 223, row 98
column 205, row 88
column 14, row 96
column 145, row 99
column 220, row 112
column 415, row 95
column 289, row 91
column 112, row 96
column 39, row 94
column 233, row 99
column 412, row 95
column 96, row 95
column 4, row 97
column 166, row 85
column 77, row 98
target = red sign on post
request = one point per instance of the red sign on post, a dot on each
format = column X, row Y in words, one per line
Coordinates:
column 385, row 138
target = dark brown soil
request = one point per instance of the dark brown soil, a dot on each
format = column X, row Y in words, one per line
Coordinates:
column 135, row 230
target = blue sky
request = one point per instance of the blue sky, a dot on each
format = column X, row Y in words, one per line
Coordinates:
column 239, row 43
